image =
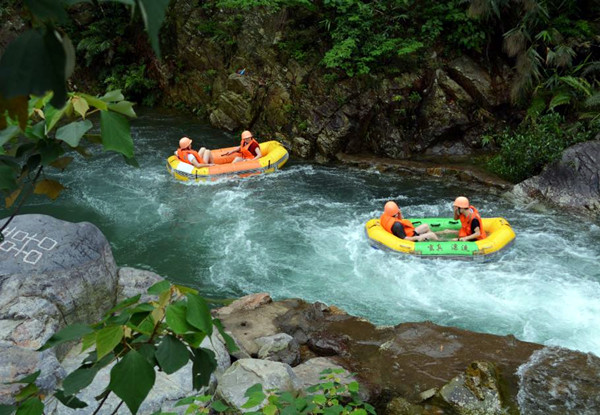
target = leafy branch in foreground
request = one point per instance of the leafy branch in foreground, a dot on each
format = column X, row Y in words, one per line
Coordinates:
column 138, row 338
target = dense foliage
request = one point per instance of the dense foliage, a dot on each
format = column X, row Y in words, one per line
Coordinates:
column 535, row 143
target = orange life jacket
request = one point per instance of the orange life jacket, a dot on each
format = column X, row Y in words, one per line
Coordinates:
column 245, row 149
column 183, row 155
column 466, row 224
column 387, row 222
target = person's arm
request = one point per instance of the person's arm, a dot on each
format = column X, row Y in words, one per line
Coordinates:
column 398, row 230
column 456, row 214
column 235, row 150
column 258, row 153
column 474, row 235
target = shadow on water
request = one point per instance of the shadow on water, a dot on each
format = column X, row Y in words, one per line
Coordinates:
column 300, row 233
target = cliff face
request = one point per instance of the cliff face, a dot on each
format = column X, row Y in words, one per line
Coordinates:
column 440, row 108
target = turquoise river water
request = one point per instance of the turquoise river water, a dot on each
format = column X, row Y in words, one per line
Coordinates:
column 300, row 233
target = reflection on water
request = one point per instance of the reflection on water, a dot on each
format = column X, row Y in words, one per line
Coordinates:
column 299, row 233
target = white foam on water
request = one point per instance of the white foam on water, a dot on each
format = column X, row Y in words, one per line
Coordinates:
column 300, row 233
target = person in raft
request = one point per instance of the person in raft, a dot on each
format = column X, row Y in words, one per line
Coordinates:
column 248, row 149
column 393, row 222
column 201, row 158
column 472, row 228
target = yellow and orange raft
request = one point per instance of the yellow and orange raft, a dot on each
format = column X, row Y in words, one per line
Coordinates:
column 499, row 236
column 274, row 156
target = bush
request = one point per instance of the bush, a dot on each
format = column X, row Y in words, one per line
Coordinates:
column 535, row 143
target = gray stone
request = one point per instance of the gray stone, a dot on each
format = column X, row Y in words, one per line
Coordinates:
column 134, row 281
column 559, row 381
column 245, row 373
column 475, row 392
column 280, row 347
column 573, row 181
column 52, row 273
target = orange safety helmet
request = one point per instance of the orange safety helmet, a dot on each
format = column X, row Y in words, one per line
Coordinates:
column 185, row 142
column 461, row 202
column 246, row 135
column 391, row 208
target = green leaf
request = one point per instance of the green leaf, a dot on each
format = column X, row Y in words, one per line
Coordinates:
column 219, row 406
column 72, row 133
column 95, row 102
column 204, row 364
column 9, row 133
column 107, row 339
column 171, row 354
column 29, row 378
column 159, row 287
column 116, row 134
column 255, row 396
column 71, row 332
column 113, row 96
column 198, row 313
column 7, row 409
column 123, row 107
column 80, row 105
column 20, row 73
column 53, row 116
column 153, row 13
column 561, row 98
column 79, row 379
column 61, row 163
column 149, row 352
column 333, row 410
column 26, row 392
column 132, row 379
column 175, row 317
column 229, row 342
column 8, row 178
column 124, row 304
column 69, row 401
column 194, row 338
column 32, row 406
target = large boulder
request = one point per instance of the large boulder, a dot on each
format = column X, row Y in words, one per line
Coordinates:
column 559, row 381
column 572, row 182
column 52, row 273
column 246, row 373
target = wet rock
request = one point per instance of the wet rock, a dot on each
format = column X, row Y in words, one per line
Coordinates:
column 400, row 406
column 572, row 182
column 475, row 392
column 302, row 147
column 559, row 381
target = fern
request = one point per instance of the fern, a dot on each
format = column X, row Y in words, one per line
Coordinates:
column 562, row 98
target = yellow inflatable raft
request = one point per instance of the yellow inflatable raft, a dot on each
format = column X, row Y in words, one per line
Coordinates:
column 499, row 236
column 274, row 157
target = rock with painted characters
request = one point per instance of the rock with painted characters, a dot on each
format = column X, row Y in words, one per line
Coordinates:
column 52, row 273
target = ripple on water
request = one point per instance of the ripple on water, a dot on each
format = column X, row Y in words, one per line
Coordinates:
column 300, row 233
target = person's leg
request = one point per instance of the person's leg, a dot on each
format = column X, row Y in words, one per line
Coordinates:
column 423, row 228
column 427, row 236
column 235, row 160
column 208, row 157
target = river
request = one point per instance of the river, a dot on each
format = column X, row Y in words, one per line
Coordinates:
column 300, row 233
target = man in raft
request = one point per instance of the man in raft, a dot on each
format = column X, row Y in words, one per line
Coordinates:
column 248, row 149
column 201, row 158
column 471, row 224
column 393, row 222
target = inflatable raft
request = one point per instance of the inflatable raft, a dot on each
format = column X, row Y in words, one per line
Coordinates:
column 274, row 157
column 499, row 236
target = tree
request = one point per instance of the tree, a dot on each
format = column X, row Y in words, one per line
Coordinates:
column 40, row 120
